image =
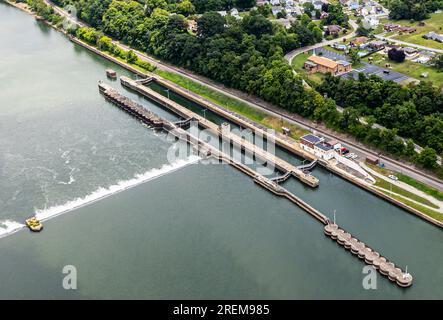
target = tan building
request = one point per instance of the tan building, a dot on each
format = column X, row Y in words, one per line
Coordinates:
column 324, row 65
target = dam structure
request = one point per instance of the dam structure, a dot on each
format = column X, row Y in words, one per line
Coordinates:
column 236, row 140
column 204, row 149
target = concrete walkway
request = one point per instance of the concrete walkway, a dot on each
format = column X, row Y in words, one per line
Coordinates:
column 407, row 187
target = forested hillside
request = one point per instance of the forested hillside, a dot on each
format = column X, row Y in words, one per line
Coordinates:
column 247, row 54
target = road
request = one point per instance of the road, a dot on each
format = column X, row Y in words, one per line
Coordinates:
column 261, row 105
column 290, row 56
column 381, row 37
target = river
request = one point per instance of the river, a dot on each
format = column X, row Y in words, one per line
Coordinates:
column 139, row 227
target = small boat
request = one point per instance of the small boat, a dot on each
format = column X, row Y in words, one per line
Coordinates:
column 111, row 73
column 34, row 224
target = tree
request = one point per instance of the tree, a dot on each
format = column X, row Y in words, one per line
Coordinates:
column 308, row 8
column 257, row 24
column 413, row 9
column 150, row 5
column 104, row 43
column 362, row 31
column 437, row 62
column 185, row 7
column 336, row 16
column 245, row 4
column 282, row 14
column 354, row 56
column 265, row 9
column 396, row 55
column 410, row 148
column 131, row 57
column 209, row 24
column 427, row 158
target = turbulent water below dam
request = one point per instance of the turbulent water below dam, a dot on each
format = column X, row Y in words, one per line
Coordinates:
column 138, row 226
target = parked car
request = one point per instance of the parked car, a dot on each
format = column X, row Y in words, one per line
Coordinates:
column 344, row 151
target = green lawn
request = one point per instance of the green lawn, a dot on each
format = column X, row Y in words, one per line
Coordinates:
column 434, row 23
column 300, row 59
column 232, row 104
column 411, row 69
column 433, row 214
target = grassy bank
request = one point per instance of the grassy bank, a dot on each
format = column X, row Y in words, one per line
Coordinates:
column 437, row 194
column 231, row 104
column 431, row 213
column 395, row 189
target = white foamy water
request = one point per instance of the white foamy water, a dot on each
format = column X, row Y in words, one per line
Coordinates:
column 10, row 227
column 102, row 193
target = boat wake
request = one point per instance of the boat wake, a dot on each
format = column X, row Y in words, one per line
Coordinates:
column 101, row 193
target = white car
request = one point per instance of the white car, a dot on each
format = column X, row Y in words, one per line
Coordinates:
column 392, row 177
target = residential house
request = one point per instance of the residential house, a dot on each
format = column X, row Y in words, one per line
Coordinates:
column 390, row 26
column 370, row 22
column 359, row 41
column 406, row 29
column 377, row 45
column 410, row 52
column 333, row 30
column 318, row 5
column 434, row 36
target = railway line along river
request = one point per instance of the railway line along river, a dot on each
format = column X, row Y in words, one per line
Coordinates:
column 141, row 227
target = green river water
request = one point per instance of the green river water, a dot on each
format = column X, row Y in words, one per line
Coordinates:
column 140, row 227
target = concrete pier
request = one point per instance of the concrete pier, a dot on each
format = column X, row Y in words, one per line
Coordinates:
column 228, row 136
column 204, row 149
column 370, row 256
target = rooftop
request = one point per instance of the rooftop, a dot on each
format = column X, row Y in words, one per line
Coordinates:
column 311, row 138
column 324, row 146
column 323, row 61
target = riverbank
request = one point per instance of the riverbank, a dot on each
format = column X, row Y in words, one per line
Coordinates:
column 285, row 143
column 203, row 232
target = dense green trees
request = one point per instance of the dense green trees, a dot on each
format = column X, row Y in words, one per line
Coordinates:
column 41, row 9
column 413, row 9
column 248, row 54
column 336, row 16
column 413, row 112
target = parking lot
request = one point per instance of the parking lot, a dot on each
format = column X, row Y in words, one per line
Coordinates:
column 367, row 68
column 370, row 69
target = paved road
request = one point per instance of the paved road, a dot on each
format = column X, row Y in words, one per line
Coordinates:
column 381, row 37
column 277, row 112
column 290, row 56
